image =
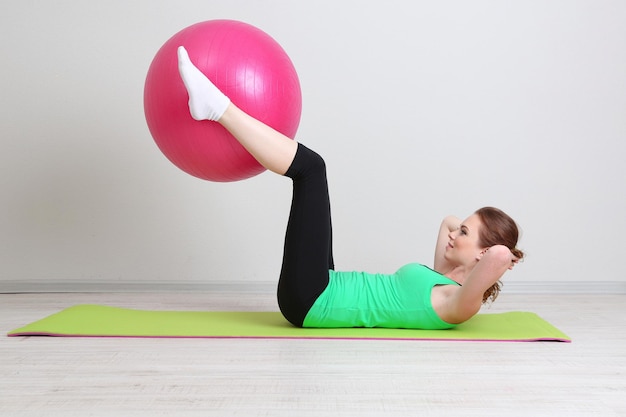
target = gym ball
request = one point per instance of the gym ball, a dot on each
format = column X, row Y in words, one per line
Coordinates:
column 247, row 65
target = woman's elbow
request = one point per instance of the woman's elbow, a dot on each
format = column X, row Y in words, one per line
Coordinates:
column 499, row 255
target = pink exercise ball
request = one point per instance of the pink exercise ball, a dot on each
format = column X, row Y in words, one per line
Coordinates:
column 247, row 65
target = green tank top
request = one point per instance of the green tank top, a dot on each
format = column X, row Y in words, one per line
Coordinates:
column 359, row 299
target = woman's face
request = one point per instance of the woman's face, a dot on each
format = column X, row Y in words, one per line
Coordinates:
column 463, row 247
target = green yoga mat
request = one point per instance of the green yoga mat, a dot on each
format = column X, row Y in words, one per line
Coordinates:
column 88, row 320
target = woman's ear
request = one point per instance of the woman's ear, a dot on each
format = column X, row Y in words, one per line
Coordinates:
column 481, row 254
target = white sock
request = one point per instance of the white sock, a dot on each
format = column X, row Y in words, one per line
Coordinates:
column 206, row 101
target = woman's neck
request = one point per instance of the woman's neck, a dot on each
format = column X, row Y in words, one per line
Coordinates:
column 458, row 273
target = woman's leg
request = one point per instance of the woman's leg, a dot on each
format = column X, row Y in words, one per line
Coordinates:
column 308, row 252
column 269, row 147
column 308, row 241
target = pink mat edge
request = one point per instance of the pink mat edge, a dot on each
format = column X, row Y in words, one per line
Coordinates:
column 539, row 339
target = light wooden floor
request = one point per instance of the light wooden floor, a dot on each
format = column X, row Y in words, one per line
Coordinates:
column 205, row 377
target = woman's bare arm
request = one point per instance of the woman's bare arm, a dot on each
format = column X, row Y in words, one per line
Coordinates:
column 449, row 224
column 466, row 301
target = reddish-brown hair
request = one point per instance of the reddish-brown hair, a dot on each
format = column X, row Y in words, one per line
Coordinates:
column 498, row 229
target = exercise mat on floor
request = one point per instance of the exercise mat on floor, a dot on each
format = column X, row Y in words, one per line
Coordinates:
column 89, row 320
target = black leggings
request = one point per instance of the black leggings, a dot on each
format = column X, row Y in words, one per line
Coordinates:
column 308, row 253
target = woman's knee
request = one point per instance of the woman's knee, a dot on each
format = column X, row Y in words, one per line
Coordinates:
column 306, row 163
column 317, row 162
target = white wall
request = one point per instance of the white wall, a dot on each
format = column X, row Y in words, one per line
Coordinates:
column 422, row 109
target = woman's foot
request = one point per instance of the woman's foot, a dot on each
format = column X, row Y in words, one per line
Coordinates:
column 206, row 101
column 270, row 148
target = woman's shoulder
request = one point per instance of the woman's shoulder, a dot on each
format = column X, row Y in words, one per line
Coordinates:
column 416, row 267
column 421, row 271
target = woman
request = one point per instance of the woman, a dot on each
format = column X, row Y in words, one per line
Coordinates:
column 470, row 256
